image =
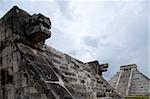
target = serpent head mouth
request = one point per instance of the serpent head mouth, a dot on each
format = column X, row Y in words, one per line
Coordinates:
column 37, row 27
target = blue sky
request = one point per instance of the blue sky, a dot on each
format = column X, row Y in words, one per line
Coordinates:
column 110, row 31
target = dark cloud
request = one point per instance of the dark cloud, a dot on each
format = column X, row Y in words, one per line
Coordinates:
column 96, row 41
column 64, row 8
column 91, row 41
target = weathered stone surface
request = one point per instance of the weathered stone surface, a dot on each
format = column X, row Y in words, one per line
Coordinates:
column 130, row 82
column 31, row 70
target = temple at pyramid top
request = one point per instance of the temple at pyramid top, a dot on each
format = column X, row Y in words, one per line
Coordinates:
column 128, row 67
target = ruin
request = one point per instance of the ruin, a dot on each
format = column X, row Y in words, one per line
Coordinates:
column 131, row 82
column 29, row 69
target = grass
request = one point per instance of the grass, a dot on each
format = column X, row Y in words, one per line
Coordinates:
column 137, row 97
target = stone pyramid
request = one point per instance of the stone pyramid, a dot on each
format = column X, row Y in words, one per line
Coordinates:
column 29, row 69
column 131, row 82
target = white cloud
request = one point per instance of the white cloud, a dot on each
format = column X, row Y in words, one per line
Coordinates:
column 117, row 27
column 113, row 31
